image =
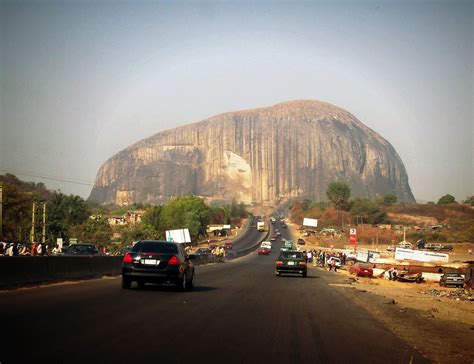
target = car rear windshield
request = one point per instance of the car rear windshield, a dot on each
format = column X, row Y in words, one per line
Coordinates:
column 155, row 247
column 453, row 275
column 291, row 255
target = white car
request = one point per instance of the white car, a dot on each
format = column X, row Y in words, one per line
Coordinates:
column 337, row 260
column 266, row 245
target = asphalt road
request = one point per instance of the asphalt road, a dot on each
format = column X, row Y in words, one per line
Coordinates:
column 239, row 312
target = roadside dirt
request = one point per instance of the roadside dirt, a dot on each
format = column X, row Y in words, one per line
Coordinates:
column 441, row 328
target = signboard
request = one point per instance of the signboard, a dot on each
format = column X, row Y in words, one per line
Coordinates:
column 373, row 256
column 353, row 232
column 422, row 256
column 310, row 222
column 178, row 236
column 362, row 256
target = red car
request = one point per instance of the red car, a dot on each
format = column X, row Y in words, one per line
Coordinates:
column 228, row 245
column 361, row 270
column 263, row 251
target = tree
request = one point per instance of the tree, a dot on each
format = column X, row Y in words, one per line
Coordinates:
column 368, row 209
column 388, row 199
column 469, row 201
column 138, row 232
column 16, row 213
column 339, row 193
column 95, row 231
column 186, row 212
column 446, row 199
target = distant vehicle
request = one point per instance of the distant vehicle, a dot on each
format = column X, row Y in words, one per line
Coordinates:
column 202, row 251
column 405, row 245
column 291, row 262
column 301, row 242
column 337, row 260
column 283, row 225
column 81, row 249
column 154, row 261
column 263, row 251
column 261, row 226
column 361, row 270
column 266, row 245
column 438, row 246
column 451, row 279
column 287, row 245
column 228, row 245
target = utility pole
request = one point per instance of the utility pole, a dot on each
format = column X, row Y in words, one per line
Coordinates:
column 1, row 211
column 43, row 237
column 32, row 234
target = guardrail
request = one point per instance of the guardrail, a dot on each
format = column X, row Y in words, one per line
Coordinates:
column 23, row 270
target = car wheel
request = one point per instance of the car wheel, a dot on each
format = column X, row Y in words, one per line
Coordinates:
column 141, row 284
column 182, row 284
column 126, row 283
column 190, row 283
column 277, row 274
column 305, row 274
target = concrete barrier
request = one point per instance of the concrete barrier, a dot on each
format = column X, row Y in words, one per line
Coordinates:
column 18, row 271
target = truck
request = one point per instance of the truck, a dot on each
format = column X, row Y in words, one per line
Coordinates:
column 260, row 226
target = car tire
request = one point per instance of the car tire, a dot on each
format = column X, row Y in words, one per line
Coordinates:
column 141, row 284
column 304, row 275
column 126, row 283
column 190, row 283
column 277, row 274
column 182, row 284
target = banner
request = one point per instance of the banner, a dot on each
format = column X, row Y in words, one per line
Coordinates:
column 178, row 236
column 422, row 256
column 310, row 222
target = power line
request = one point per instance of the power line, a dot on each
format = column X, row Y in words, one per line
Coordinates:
column 53, row 178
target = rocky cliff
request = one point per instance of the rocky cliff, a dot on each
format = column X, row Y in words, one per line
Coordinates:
column 264, row 155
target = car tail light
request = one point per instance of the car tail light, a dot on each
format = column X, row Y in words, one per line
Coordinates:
column 127, row 258
column 302, row 263
column 174, row 260
column 279, row 262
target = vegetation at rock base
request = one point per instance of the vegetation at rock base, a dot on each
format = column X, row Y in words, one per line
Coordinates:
column 339, row 193
column 446, row 199
column 72, row 217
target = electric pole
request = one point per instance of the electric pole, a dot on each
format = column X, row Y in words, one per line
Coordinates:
column 32, row 234
column 1, row 211
column 43, row 237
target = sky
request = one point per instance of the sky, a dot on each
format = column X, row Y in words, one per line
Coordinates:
column 82, row 80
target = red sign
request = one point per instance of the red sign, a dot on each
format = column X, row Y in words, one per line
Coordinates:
column 352, row 240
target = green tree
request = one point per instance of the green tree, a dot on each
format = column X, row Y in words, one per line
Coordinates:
column 469, row 201
column 96, row 231
column 388, row 199
column 339, row 193
column 152, row 217
column 16, row 213
column 138, row 232
column 446, row 199
column 368, row 209
column 186, row 212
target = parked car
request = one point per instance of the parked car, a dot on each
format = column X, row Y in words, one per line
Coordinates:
column 405, row 245
column 361, row 270
column 81, row 249
column 291, row 262
column 154, row 261
column 433, row 246
column 451, row 279
column 263, row 251
column 228, row 245
column 301, row 242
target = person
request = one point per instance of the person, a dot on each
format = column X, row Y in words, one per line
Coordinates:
column 333, row 263
column 15, row 249
column 1, row 248
column 39, row 249
column 390, row 273
column 56, row 250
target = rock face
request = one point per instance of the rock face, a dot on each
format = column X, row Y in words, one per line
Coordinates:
column 262, row 156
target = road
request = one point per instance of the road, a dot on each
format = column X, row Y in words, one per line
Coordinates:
column 239, row 312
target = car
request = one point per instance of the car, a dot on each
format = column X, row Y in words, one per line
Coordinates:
column 202, row 251
column 228, row 245
column 337, row 260
column 451, row 279
column 405, row 245
column 263, row 251
column 81, row 249
column 361, row 270
column 301, row 242
column 266, row 245
column 291, row 262
column 273, row 238
column 158, row 262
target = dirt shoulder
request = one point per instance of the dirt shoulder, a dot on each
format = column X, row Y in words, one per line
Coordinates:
column 441, row 328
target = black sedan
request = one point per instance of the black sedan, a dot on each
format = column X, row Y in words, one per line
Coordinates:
column 291, row 262
column 159, row 262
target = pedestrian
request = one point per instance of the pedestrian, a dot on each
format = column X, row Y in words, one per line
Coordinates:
column 1, row 249
column 39, row 249
column 390, row 273
column 56, row 250
column 15, row 249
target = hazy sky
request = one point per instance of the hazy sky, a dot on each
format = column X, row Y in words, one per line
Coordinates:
column 81, row 80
